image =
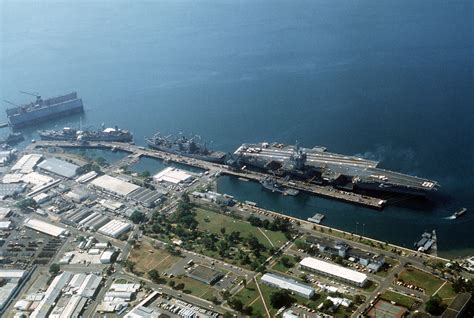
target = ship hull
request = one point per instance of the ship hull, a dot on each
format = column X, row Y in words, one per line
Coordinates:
column 61, row 138
column 214, row 159
column 55, row 108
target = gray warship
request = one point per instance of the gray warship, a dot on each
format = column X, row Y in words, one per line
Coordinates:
column 104, row 134
column 184, row 146
column 271, row 184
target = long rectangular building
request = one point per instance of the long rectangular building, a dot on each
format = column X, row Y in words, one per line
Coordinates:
column 288, row 284
column 332, row 270
column 45, row 227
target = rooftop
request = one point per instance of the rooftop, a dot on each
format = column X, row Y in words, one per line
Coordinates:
column 59, row 167
column 114, row 185
column 334, row 270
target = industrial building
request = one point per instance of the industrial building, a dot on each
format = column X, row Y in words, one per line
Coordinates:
column 205, row 274
column 11, row 189
column 146, row 197
column 115, row 228
column 288, row 284
column 27, row 163
column 45, row 227
column 51, row 295
column 113, row 185
column 5, row 212
column 12, row 281
column 59, row 167
column 172, row 175
column 5, row 157
column 221, row 199
column 327, row 246
column 336, row 271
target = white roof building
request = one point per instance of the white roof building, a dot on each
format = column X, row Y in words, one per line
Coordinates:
column 333, row 270
column 36, row 179
column 106, row 257
column 51, row 295
column 27, row 163
column 171, row 175
column 115, row 228
column 5, row 225
column 288, row 284
column 4, row 212
column 44, row 227
column 59, row 167
column 114, row 185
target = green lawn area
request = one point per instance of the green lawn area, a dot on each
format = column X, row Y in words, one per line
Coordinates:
column 213, row 222
column 421, row 279
column 278, row 266
column 447, row 292
column 196, row 288
column 400, row 299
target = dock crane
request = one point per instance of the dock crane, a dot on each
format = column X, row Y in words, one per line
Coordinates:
column 11, row 103
column 38, row 102
column 37, row 95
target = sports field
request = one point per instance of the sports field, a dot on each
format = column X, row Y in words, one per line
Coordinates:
column 384, row 309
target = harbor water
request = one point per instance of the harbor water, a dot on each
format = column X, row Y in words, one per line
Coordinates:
column 386, row 80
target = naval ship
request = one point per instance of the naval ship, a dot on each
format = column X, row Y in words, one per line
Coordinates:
column 104, row 134
column 318, row 166
column 274, row 186
column 42, row 110
column 184, row 146
column 12, row 139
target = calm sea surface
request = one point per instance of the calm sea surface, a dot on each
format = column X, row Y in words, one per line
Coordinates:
column 387, row 80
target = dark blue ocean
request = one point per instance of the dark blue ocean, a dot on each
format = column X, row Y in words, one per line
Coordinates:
column 388, row 80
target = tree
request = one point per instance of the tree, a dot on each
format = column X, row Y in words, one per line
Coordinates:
column 137, row 217
column 244, row 282
column 154, row 275
column 145, row 174
column 223, row 230
column 54, row 269
column 434, row 305
column 171, row 283
column 281, row 298
column 327, row 304
column 27, row 204
column 285, row 261
column 236, row 304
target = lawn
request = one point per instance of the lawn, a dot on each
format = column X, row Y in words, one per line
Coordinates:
column 400, row 299
column 146, row 257
column 195, row 287
column 421, row 279
column 447, row 292
column 213, row 222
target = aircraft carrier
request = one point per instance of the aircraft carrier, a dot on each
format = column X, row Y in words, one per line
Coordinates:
column 42, row 110
column 321, row 167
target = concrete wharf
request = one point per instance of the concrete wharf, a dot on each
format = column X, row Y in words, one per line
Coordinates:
column 139, row 151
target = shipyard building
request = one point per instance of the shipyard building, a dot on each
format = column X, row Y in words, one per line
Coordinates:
column 335, row 271
column 288, row 284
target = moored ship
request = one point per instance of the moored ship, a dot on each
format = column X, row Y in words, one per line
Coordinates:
column 274, row 186
column 43, row 110
column 184, row 146
column 104, row 134
column 316, row 165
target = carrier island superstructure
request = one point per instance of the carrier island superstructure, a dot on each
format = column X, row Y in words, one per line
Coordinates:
column 321, row 167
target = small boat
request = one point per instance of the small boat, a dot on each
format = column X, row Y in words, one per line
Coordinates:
column 458, row 214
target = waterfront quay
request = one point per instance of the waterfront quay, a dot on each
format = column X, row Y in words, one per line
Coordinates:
column 139, row 151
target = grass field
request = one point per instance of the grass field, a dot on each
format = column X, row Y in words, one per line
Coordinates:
column 213, row 222
column 421, row 279
column 146, row 257
column 400, row 299
column 195, row 287
column 447, row 292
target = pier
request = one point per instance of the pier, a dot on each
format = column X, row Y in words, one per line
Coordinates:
column 139, row 151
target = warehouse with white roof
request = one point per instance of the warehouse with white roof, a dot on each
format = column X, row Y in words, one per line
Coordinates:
column 45, row 227
column 113, row 185
column 288, row 284
column 336, row 271
column 172, row 175
column 59, row 167
column 115, row 228
column 27, row 163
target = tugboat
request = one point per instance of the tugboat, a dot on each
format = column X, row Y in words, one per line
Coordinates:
column 274, row 186
column 458, row 214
